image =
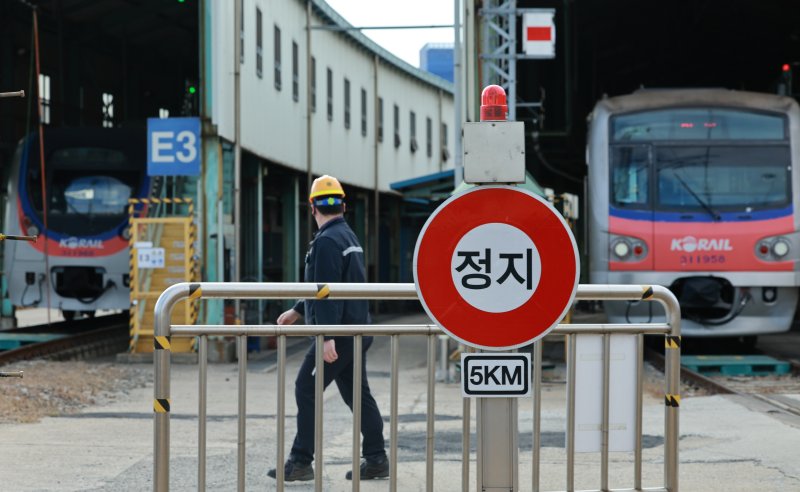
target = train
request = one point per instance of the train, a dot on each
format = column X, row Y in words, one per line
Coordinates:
column 80, row 262
column 696, row 190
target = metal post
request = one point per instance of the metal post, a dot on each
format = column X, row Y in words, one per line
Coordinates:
column 319, row 387
column 429, row 436
column 571, row 341
column 604, row 431
column 458, row 95
column 281, row 411
column 393, row 413
column 237, row 149
column 537, row 414
column 465, row 438
column 161, row 395
column 241, row 344
column 201, row 413
column 498, row 453
column 357, row 365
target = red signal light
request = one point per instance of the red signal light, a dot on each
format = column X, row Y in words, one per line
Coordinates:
column 638, row 250
column 494, row 106
column 786, row 67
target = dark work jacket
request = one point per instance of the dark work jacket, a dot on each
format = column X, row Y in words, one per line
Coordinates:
column 334, row 256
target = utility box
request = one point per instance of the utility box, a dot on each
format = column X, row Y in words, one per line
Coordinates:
column 494, row 152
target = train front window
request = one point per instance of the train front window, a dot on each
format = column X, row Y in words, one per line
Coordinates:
column 87, row 189
column 722, row 178
column 629, row 176
column 90, row 195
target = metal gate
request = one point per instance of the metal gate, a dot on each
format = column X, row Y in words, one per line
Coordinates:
column 170, row 240
column 164, row 332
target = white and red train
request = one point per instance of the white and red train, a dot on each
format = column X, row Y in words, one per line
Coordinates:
column 90, row 175
column 696, row 190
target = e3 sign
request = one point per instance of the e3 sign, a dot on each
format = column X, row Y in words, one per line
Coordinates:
column 496, row 267
column 173, row 146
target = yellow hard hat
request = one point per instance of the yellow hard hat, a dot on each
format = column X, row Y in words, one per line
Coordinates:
column 324, row 186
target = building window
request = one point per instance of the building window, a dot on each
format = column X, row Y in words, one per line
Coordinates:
column 277, row 57
column 259, row 44
column 413, row 130
column 428, row 137
column 295, row 72
column 364, row 112
column 443, row 138
column 108, row 110
column 346, row 103
column 396, row 126
column 241, row 37
column 163, row 113
column 330, row 95
column 313, row 84
column 44, row 98
column 379, row 116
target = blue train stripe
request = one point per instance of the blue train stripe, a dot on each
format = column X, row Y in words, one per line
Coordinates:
column 700, row 216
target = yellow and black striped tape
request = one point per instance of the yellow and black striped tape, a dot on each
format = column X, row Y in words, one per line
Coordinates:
column 137, row 201
column 195, row 292
column 672, row 342
column 161, row 405
column 672, row 400
column 647, row 292
column 132, row 327
column 161, row 343
column 323, row 291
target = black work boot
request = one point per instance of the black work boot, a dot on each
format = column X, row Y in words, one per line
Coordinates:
column 372, row 469
column 294, row 471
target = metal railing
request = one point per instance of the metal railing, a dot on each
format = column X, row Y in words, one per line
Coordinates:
column 178, row 292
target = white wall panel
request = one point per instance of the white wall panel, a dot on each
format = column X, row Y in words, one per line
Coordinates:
column 274, row 124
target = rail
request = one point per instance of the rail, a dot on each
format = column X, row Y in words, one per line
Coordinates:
column 164, row 331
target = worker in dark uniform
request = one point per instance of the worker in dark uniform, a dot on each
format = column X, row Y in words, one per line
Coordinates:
column 333, row 256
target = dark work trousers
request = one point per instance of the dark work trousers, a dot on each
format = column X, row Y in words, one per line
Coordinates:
column 340, row 371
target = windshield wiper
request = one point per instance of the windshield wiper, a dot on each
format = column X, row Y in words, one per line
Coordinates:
column 714, row 215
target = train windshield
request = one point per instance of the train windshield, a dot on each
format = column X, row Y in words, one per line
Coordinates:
column 701, row 160
column 87, row 189
column 722, row 178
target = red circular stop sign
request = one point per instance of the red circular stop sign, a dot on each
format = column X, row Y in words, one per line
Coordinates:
column 496, row 267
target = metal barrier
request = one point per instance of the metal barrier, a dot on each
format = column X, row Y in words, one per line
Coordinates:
column 164, row 331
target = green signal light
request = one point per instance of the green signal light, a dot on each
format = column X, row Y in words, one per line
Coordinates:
column 192, row 89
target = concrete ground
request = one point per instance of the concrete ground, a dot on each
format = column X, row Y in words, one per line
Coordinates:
column 724, row 445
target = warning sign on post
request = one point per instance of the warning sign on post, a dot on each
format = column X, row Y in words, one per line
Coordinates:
column 539, row 33
column 496, row 267
column 496, row 375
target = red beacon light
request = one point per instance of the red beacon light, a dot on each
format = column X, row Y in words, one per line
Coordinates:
column 786, row 67
column 493, row 104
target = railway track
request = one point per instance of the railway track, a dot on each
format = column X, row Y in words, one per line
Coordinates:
column 765, row 393
column 82, row 338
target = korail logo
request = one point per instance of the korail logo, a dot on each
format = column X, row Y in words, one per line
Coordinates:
column 75, row 243
column 690, row 244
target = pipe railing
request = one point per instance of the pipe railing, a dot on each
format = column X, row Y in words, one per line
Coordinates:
column 164, row 331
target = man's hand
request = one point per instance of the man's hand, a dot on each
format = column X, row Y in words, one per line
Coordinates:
column 288, row 317
column 329, row 354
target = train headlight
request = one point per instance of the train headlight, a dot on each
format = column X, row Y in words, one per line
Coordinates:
column 780, row 248
column 621, row 249
column 32, row 230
